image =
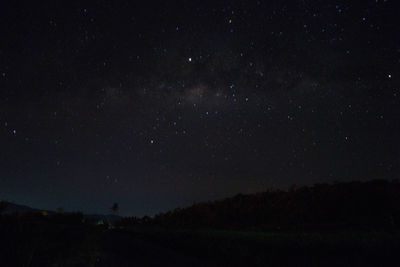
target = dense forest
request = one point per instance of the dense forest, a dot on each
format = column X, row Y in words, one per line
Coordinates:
column 337, row 206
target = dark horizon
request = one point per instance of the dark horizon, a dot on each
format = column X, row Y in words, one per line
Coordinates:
column 290, row 189
column 157, row 106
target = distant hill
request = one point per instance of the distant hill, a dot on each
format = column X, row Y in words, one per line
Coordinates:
column 16, row 208
column 355, row 205
column 9, row 208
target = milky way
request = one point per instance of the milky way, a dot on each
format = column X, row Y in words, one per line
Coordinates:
column 158, row 106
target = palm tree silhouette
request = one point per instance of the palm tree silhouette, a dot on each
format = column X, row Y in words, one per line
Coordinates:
column 115, row 207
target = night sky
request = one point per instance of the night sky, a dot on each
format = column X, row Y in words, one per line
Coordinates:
column 159, row 105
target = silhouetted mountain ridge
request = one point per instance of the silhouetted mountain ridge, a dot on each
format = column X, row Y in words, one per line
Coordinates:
column 355, row 205
column 10, row 208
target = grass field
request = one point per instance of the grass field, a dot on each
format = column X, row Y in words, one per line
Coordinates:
column 237, row 248
column 68, row 241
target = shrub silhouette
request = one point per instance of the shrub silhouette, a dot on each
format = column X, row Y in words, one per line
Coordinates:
column 59, row 210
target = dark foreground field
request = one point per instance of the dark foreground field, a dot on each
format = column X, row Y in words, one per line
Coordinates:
column 343, row 224
column 153, row 247
column 55, row 243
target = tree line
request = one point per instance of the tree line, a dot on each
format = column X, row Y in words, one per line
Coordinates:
column 351, row 205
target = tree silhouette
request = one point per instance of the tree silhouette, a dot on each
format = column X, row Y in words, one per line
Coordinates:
column 115, row 207
column 341, row 205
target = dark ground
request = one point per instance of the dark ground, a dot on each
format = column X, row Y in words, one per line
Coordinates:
column 48, row 244
column 156, row 247
column 125, row 249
